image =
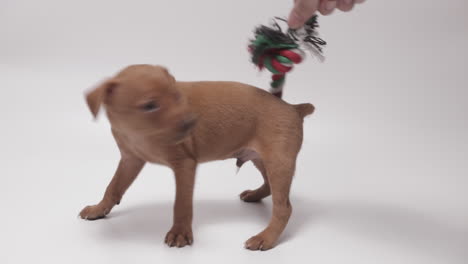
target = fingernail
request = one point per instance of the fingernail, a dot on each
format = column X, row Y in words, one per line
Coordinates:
column 330, row 5
column 294, row 22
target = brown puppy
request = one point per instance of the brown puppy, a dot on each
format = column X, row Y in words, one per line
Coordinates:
column 180, row 124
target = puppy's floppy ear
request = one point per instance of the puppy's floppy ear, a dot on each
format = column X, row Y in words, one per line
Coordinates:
column 169, row 75
column 99, row 95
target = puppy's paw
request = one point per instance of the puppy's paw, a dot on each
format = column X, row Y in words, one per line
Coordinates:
column 93, row 212
column 179, row 236
column 260, row 242
column 254, row 196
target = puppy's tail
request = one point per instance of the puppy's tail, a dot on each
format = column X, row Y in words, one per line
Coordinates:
column 304, row 109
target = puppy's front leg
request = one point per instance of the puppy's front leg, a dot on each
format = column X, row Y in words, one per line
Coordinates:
column 180, row 234
column 127, row 171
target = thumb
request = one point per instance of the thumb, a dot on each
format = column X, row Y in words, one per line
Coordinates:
column 301, row 12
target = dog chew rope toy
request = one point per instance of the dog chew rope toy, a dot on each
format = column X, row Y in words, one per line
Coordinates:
column 278, row 50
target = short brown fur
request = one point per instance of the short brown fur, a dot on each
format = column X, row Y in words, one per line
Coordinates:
column 180, row 124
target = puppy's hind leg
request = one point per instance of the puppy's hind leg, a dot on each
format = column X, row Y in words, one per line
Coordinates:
column 261, row 192
column 280, row 170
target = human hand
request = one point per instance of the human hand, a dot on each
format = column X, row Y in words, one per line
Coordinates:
column 305, row 9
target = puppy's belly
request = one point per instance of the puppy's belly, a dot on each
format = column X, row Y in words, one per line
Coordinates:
column 151, row 156
column 245, row 155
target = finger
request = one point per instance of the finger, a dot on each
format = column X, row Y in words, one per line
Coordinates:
column 345, row 5
column 301, row 12
column 327, row 7
column 359, row 1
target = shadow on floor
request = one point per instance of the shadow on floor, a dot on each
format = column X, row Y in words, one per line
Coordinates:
column 398, row 227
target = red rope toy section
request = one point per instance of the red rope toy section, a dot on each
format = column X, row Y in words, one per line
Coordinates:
column 279, row 62
column 278, row 50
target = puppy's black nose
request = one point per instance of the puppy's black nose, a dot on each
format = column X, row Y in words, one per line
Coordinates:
column 187, row 124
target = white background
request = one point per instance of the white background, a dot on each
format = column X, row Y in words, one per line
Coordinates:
column 381, row 178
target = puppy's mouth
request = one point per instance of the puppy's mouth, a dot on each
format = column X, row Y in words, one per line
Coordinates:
column 181, row 136
column 184, row 129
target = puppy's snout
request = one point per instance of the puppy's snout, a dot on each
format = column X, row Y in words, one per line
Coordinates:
column 187, row 124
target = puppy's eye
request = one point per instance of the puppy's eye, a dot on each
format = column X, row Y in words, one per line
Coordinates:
column 150, row 107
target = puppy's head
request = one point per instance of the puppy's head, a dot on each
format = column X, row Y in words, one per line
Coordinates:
column 143, row 100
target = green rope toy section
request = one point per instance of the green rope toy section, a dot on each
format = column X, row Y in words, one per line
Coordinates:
column 279, row 51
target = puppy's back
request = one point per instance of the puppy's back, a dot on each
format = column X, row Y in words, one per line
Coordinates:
column 241, row 100
column 231, row 114
column 238, row 94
